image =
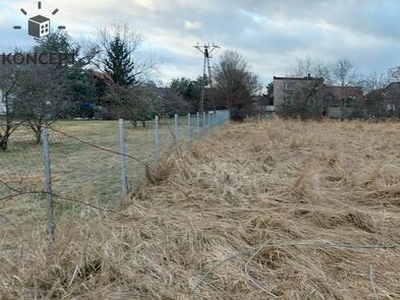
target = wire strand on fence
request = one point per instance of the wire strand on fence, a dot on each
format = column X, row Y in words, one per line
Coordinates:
column 87, row 175
column 18, row 192
column 100, row 148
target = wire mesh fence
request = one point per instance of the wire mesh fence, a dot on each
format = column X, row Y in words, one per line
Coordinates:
column 91, row 165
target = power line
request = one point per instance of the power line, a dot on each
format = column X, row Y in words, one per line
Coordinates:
column 206, row 51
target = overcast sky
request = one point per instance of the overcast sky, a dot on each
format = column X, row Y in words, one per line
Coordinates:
column 270, row 34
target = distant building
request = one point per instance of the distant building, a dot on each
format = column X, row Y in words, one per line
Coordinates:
column 345, row 102
column 384, row 102
column 301, row 96
column 309, row 97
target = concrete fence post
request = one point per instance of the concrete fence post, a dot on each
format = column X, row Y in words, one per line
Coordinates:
column 122, row 146
column 176, row 132
column 48, row 186
column 189, row 131
column 156, row 140
column 197, row 121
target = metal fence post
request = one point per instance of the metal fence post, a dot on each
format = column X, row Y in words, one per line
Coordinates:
column 204, row 119
column 122, row 146
column 156, row 140
column 176, row 128
column 48, row 189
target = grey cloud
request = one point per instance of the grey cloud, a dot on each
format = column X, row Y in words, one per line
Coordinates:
column 270, row 34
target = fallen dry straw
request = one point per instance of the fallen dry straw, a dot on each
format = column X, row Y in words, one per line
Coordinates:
column 278, row 209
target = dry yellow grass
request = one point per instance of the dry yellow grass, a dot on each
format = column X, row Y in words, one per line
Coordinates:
column 284, row 209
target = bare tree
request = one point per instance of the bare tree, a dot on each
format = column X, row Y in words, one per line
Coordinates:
column 375, row 80
column 394, row 74
column 312, row 67
column 304, row 66
column 344, row 72
column 8, row 85
column 39, row 98
column 236, row 84
column 172, row 102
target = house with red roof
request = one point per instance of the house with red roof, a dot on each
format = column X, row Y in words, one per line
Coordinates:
column 344, row 102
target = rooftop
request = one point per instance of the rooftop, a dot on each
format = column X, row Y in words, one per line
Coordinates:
column 293, row 77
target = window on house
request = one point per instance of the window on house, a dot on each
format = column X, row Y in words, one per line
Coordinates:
column 289, row 86
column 288, row 101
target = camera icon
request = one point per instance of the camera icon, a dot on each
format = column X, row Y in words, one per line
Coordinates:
column 39, row 26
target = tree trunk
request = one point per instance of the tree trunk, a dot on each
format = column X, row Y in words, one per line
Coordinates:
column 37, row 130
column 38, row 135
column 4, row 138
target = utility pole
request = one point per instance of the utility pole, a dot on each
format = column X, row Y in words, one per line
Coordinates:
column 206, row 51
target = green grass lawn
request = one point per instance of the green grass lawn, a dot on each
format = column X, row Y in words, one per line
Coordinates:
column 80, row 170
